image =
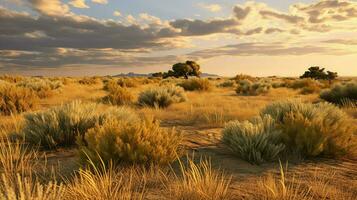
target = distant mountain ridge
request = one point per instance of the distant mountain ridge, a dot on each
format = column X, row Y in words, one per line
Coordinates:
column 132, row 74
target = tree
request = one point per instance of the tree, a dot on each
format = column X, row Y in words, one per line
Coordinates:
column 319, row 73
column 189, row 68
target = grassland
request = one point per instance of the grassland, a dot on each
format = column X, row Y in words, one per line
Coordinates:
column 196, row 164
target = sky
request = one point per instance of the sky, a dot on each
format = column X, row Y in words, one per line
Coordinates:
column 226, row 37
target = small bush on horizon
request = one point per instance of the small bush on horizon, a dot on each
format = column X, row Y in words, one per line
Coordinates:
column 255, row 141
column 339, row 93
column 162, row 97
column 196, row 84
column 143, row 142
column 15, row 99
column 313, row 129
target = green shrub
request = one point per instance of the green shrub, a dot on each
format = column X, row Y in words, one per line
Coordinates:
column 117, row 141
column 246, row 87
column 162, row 96
column 313, row 129
column 341, row 93
column 59, row 126
column 227, row 83
column 255, row 141
column 196, row 84
column 42, row 87
column 119, row 96
column 16, row 99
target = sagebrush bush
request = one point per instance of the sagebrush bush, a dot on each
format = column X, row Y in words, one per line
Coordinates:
column 11, row 79
column 255, row 141
column 313, row 129
column 127, row 82
column 162, row 96
column 306, row 85
column 246, row 87
column 119, row 96
column 59, row 126
column 120, row 141
column 339, row 93
column 16, row 99
column 88, row 81
column 227, row 83
column 241, row 77
column 196, row 84
column 42, row 87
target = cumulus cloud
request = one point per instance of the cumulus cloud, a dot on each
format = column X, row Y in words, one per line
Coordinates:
column 79, row 4
column 100, row 1
column 55, row 37
column 49, row 7
column 211, row 7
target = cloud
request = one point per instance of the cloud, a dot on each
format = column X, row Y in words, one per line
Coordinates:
column 100, row 1
column 266, row 49
column 199, row 27
column 211, row 7
column 49, row 7
column 78, row 4
column 286, row 17
column 240, row 12
column 342, row 41
column 117, row 13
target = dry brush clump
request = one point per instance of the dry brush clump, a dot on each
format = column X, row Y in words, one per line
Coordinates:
column 15, row 99
column 162, row 97
column 196, row 84
column 340, row 94
column 88, row 81
column 119, row 96
column 306, row 85
column 123, row 141
column 60, row 126
column 313, row 129
column 43, row 87
column 11, row 79
column 199, row 181
column 227, row 84
column 246, row 87
column 255, row 141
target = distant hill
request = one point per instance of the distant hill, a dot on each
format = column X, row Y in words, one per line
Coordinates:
column 132, row 74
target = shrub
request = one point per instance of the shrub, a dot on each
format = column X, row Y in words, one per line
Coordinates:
column 247, row 87
column 120, row 141
column 127, row 82
column 43, row 87
column 196, row 84
column 199, row 182
column 255, row 141
column 307, row 85
column 119, row 96
column 341, row 93
column 162, row 96
column 59, row 126
column 88, row 81
column 241, row 77
column 313, row 129
column 11, row 79
column 16, row 99
column 228, row 83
